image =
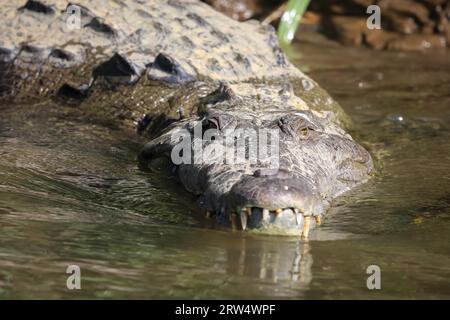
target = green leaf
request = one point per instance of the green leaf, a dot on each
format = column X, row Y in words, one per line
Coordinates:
column 291, row 19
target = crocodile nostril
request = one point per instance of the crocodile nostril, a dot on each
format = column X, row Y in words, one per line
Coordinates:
column 265, row 172
column 275, row 173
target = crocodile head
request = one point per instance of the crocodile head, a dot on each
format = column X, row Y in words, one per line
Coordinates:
column 262, row 163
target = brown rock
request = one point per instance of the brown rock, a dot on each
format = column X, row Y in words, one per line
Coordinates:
column 417, row 42
column 443, row 24
column 341, row 7
column 378, row 38
column 400, row 23
column 348, row 30
column 236, row 9
column 244, row 9
column 428, row 29
column 408, row 7
column 447, row 34
column 435, row 2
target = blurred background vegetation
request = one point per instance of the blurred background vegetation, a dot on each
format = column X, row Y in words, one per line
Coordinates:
column 410, row 25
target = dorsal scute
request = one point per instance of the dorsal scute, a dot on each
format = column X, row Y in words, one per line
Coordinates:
column 204, row 42
column 199, row 42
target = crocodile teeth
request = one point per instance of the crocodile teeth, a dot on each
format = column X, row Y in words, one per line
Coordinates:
column 249, row 211
column 278, row 211
column 244, row 216
column 298, row 217
column 318, row 220
column 208, row 214
column 266, row 215
column 306, row 225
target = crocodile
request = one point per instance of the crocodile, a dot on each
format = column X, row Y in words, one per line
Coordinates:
column 171, row 69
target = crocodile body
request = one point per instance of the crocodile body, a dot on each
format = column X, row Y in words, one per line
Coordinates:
column 181, row 64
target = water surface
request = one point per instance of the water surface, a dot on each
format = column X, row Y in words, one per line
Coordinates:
column 71, row 193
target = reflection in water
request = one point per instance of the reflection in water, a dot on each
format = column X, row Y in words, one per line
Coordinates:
column 271, row 261
column 71, row 193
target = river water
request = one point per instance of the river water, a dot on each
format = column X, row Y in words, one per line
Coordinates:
column 71, row 194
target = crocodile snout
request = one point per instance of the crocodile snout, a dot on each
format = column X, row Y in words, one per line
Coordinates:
column 275, row 198
column 281, row 189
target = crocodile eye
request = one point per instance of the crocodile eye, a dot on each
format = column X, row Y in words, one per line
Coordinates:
column 210, row 124
column 305, row 132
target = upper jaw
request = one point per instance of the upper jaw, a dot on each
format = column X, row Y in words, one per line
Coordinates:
column 282, row 202
column 273, row 192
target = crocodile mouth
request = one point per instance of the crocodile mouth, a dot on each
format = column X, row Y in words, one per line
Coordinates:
column 288, row 220
column 270, row 200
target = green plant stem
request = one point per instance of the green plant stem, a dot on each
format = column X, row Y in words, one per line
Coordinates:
column 291, row 19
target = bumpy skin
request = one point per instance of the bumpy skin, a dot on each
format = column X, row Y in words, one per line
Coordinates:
column 183, row 64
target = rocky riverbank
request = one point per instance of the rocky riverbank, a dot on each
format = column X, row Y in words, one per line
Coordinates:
column 410, row 25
